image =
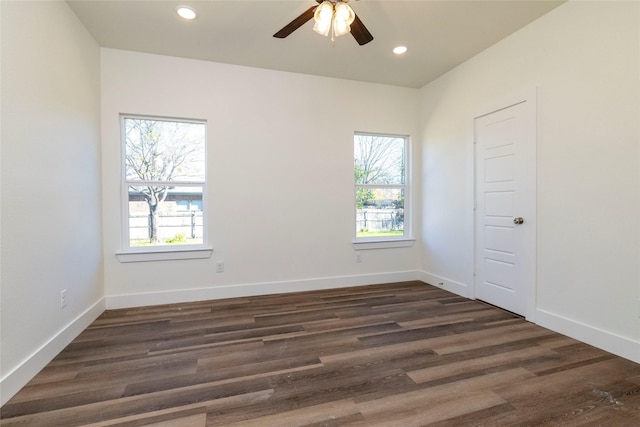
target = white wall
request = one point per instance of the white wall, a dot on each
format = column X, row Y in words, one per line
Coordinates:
column 280, row 149
column 583, row 57
column 51, row 195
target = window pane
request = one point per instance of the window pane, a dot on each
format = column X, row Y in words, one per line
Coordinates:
column 379, row 212
column 379, row 159
column 160, row 150
column 157, row 215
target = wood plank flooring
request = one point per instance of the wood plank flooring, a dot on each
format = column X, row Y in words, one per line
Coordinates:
column 402, row 354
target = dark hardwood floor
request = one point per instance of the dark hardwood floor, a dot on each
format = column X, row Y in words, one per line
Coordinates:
column 402, row 354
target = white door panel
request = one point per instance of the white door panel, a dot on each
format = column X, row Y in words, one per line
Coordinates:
column 499, row 239
column 499, row 203
column 500, row 274
column 498, row 169
column 505, row 190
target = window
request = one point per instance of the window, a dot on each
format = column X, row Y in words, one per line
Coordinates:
column 380, row 172
column 164, row 183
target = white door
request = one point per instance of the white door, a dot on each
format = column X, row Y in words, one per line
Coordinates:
column 505, row 223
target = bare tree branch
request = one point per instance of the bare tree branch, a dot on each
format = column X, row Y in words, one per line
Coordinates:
column 380, row 159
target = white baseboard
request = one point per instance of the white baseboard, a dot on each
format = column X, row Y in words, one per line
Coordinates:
column 446, row 284
column 620, row 346
column 18, row 377
column 253, row 289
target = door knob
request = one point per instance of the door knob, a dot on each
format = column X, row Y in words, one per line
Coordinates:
column 518, row 220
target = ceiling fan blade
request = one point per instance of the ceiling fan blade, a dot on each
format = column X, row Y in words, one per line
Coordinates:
column 360, row 32
column 296, row 23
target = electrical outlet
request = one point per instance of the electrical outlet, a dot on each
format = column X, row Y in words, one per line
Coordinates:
column 220, row 267
column 358, row 257
column 63, row 298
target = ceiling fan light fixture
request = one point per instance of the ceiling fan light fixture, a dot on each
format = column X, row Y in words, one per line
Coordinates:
column 332, row 14
column 340, row 28
column 186, row 12
column 322, row 29
column 342, row 19
column 343, row 12
column 323, row 16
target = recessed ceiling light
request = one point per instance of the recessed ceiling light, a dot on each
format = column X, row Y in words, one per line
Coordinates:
column 399, row 50
column 186, row 12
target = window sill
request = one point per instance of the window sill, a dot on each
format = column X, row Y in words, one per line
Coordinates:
column 164, row 255
column 383, row 244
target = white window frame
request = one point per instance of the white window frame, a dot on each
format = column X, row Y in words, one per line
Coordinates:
column 406, row 240
column 163, row 252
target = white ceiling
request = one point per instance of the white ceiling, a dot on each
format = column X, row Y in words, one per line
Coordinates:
column 439, row 34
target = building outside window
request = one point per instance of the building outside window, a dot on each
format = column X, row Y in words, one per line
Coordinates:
column 381, row 191
column 164, row 182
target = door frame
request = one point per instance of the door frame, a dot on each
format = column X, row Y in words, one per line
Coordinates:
column 528, row 97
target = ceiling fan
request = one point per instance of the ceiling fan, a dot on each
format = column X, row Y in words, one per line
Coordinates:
column 334, row 16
